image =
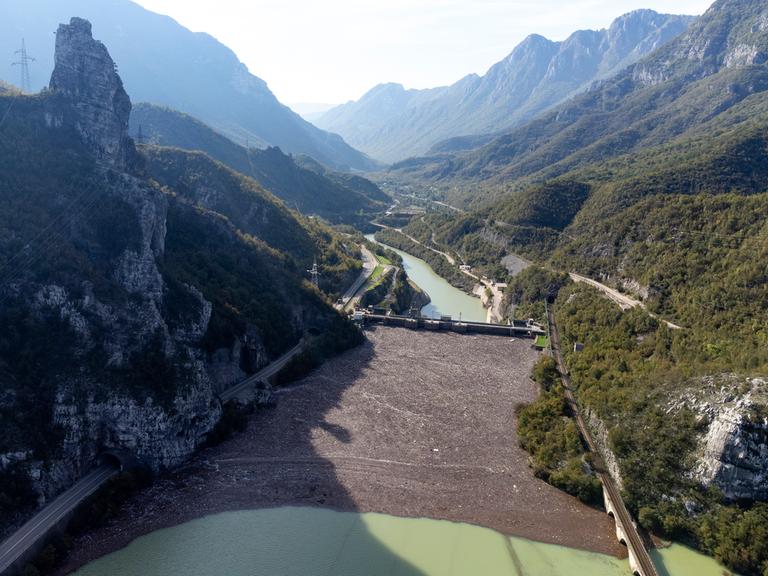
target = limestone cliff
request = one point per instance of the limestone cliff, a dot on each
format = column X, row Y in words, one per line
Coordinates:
column 732, row 453
column 127, row 305
column 86, row 76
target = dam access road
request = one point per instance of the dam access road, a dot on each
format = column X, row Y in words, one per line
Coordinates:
column 411, row 423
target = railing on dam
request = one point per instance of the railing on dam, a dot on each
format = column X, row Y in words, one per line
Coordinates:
column 517, row 328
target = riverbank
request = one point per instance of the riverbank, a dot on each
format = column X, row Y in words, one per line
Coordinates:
column 437, row 260
column 444, row 298
column 491, row 293
column 410, row 424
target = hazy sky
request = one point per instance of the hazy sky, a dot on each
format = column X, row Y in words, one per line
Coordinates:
column 331, row 51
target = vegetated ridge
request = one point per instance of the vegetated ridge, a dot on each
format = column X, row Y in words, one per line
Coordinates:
column 134, row 284
column 391, row 123
column 653, row 182
column 337, row 197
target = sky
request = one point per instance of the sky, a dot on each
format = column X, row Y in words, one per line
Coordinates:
column 332, row 51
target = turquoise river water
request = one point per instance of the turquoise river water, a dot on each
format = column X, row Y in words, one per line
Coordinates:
column 317, row 542
column 446, row 300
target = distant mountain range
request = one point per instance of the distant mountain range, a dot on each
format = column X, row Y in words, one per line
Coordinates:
column 311, row 111
column 391, row 123
column 683, row 90
column 164, row 63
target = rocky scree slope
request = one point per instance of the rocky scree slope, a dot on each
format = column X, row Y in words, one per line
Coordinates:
column 126, row 305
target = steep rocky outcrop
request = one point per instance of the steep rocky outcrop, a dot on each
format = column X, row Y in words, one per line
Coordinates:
column 128, row 304
column 734, row 34
column 392, row 123
column 163, row 62
column 86, row 76
column 601, row 437
column 733, row 449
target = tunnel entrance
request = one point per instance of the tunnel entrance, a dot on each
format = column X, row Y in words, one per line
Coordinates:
column 121, row 460
column 109, row 459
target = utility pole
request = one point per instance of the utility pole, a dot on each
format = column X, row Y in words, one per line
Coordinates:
column 315, row 271
column 23, row 63
column 549, row 332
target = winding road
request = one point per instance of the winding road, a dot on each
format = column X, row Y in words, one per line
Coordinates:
column 451, row 260
column 625, row 302
column 369, row 265
column 244, row 390
column 46, row 519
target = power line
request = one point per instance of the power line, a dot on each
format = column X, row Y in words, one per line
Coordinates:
column 24, row 61
column 24, row 260
column 8, row 111
column 315, row 272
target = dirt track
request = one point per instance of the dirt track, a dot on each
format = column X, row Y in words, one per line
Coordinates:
column 411, row 424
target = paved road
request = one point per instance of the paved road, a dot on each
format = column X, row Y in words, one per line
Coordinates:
column 369, row 265
column 634, row 542
column 47, row 518
column 243, row 390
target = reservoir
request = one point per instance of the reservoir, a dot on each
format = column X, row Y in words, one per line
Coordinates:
column 318, row 542
column 445, row 299
column 330, row 420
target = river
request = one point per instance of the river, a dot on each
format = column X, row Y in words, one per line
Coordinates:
column 445, row 299
column 318, row 542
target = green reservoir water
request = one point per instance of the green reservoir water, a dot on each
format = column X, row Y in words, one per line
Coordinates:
column 446, row 300
column 317, row 542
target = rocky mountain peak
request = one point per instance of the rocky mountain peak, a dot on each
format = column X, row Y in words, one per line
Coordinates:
column 731, row 34
column 86, row 75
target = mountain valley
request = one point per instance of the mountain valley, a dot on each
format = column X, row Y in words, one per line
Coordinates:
column 603, row 199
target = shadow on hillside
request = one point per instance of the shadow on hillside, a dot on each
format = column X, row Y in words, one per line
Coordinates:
column 272, row 464
column 285, row 468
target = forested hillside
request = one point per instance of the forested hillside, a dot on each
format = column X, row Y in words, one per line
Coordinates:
column 134, row 285
column 334, row 196
column 655, row 183
column 719, row 67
